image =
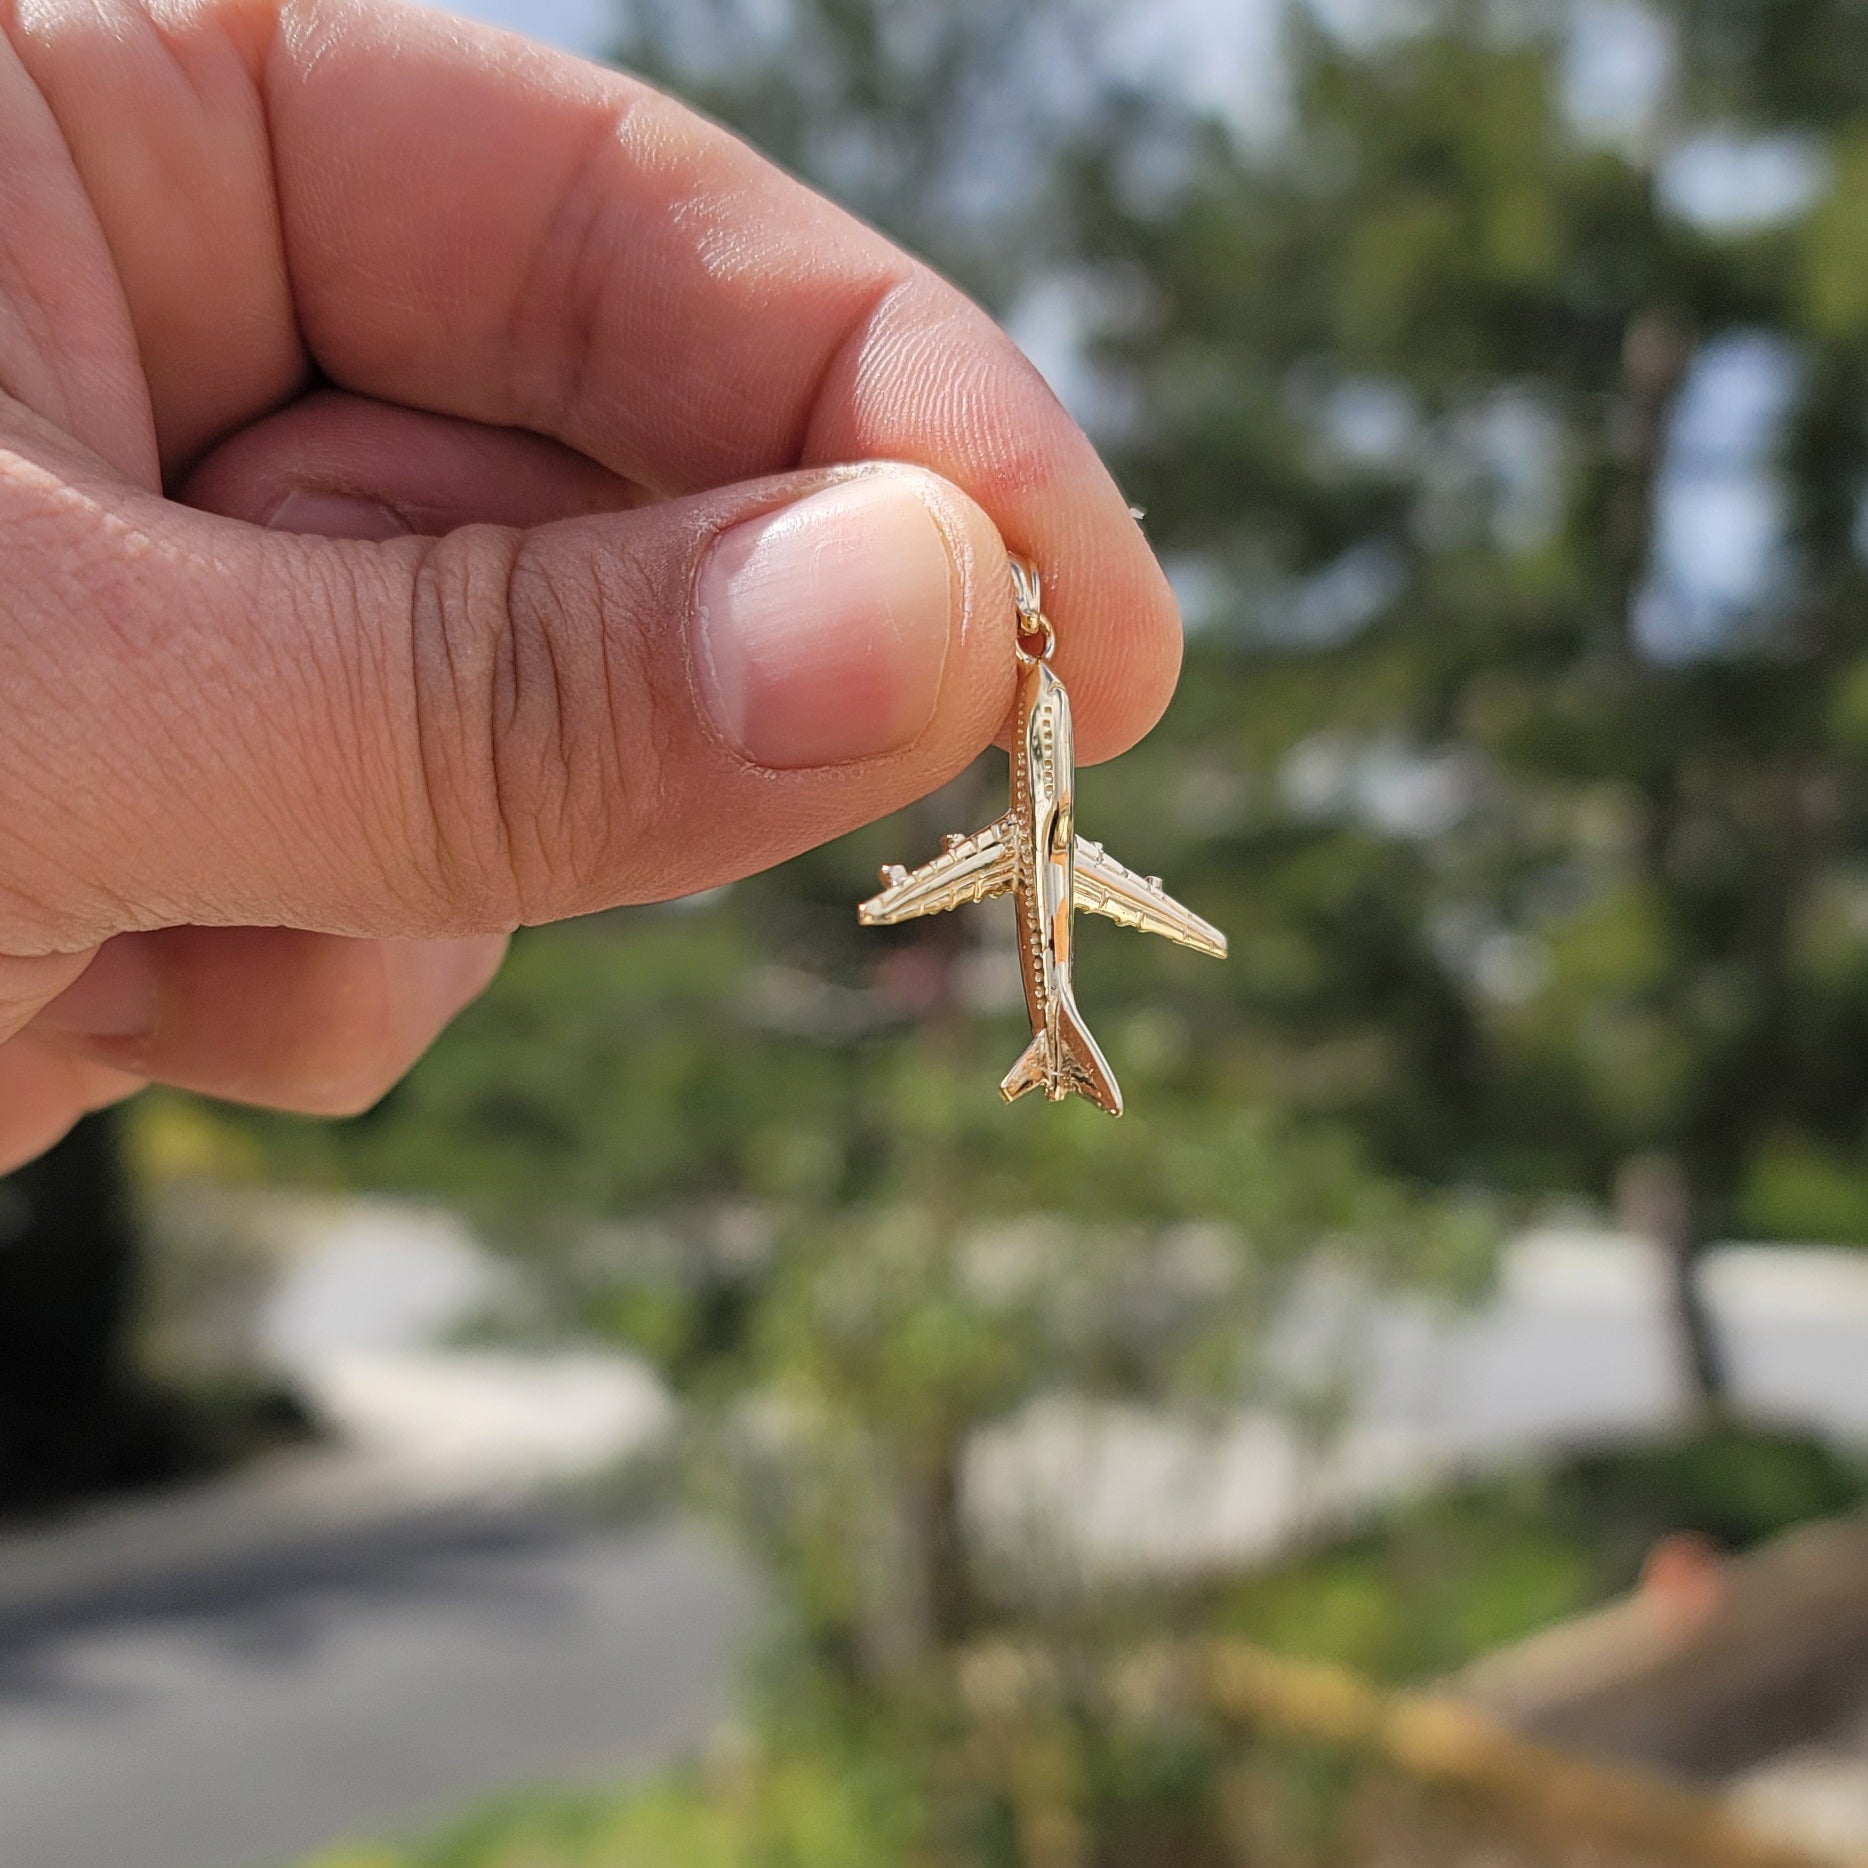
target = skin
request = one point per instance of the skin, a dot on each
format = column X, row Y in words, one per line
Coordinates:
column 299, row 789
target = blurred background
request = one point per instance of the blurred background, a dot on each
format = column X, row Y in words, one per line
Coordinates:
column 692, row 1424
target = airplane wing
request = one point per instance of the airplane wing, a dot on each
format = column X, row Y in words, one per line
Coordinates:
column 968, row 869
column 1105, row 888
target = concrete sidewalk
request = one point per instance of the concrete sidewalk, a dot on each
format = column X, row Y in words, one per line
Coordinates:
column 1572, row 1347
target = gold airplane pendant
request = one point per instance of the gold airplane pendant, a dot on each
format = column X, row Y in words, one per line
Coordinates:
column 1034, row 852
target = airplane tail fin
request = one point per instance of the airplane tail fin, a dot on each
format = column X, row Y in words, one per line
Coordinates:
column 1030, row 1072
column 1079, row 1066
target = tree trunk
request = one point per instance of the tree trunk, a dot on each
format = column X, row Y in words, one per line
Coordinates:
column 1653, row 1196
column 949, row 1566
column 1654, row 1201
column 73, row 1416
column 919, row 1597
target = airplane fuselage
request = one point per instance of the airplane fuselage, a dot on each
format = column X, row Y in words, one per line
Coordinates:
column 1044, row 807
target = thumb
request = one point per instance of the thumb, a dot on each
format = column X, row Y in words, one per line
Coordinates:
column 219, row 725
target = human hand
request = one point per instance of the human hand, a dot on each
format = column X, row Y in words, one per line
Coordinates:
column 432, row 491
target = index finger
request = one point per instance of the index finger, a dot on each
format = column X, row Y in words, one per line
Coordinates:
column 475, row 225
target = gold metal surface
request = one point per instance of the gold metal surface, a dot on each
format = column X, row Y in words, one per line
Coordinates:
column 1034, row 853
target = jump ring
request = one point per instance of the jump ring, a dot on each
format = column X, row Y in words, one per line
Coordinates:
column 1036, row 627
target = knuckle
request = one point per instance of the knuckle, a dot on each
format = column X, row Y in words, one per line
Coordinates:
column 535, row 722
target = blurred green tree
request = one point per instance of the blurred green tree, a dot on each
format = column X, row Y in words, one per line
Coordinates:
column 1502, row 415
column 1509, row 425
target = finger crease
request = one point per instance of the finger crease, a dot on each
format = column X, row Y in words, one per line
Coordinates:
column 855, row 333
column 562, row 283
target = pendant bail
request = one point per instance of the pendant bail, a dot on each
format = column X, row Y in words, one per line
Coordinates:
column 1033, row 625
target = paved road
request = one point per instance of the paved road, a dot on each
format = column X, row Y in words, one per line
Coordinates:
column 235, row 1719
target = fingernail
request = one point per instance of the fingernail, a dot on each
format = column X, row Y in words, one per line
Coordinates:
column 114, row 997
column 335, row 515
column 821, row 630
